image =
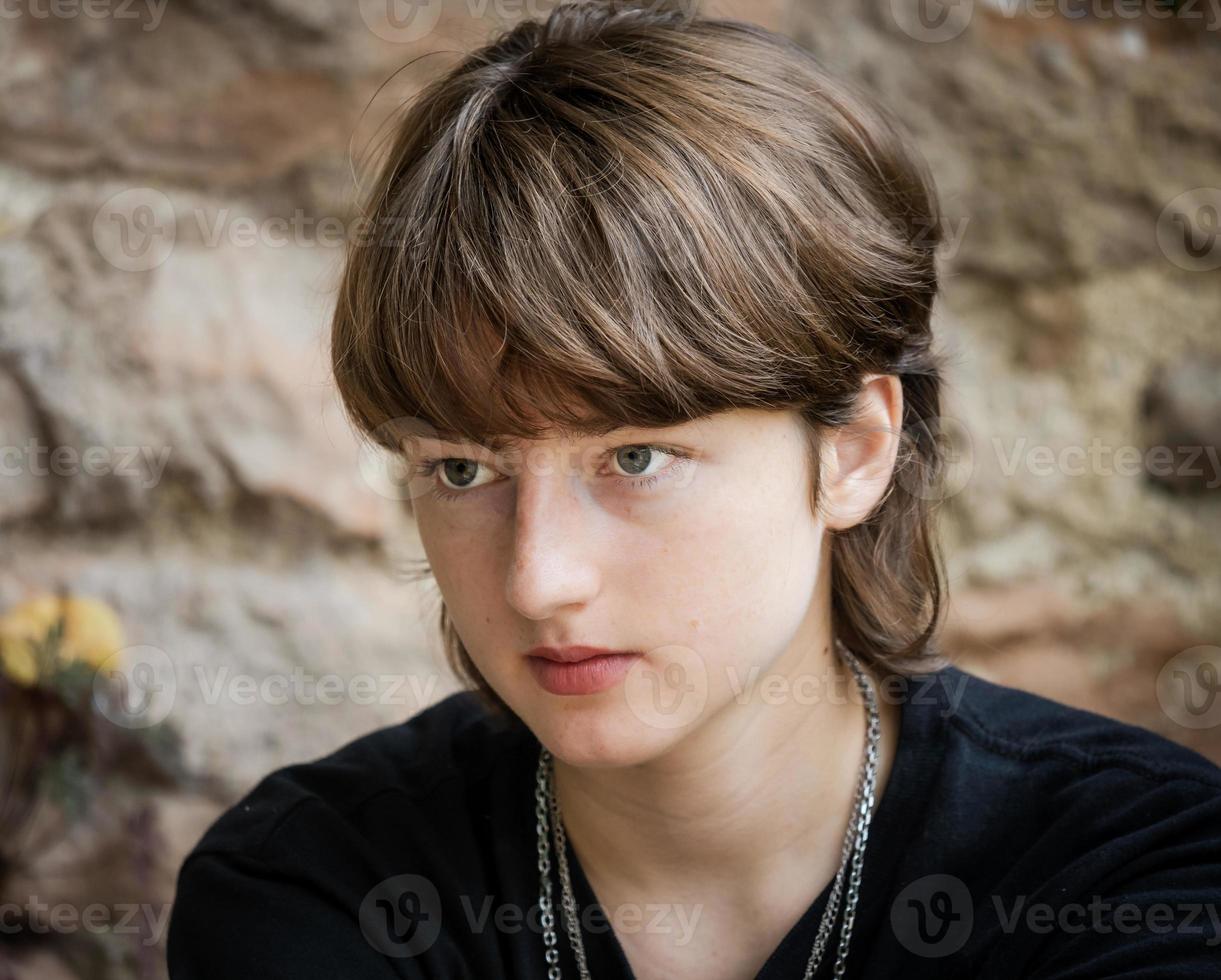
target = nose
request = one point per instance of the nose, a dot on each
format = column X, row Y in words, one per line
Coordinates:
column 554, row 563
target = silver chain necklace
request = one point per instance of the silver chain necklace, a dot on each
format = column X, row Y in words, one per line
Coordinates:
column 547, row 813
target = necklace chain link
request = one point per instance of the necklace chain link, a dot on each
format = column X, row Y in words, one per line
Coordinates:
column 852, row 855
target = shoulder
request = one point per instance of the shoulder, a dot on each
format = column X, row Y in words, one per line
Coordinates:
column 1079, row 835
column 1028, row 729
column 454, row 740
column 319, row 843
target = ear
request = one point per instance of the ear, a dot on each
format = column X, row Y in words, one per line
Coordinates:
column 857, row 460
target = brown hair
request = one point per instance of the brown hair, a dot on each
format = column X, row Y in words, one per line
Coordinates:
column 629, row 214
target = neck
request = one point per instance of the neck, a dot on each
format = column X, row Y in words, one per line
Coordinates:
column 756, row 799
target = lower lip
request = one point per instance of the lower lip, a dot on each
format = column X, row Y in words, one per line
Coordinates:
column 583, row 677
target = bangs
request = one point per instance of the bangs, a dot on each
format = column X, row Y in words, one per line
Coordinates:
column 582, row 322
column 619, row 237
column 574, row 260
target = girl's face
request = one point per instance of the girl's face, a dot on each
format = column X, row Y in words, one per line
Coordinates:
column 695, row 546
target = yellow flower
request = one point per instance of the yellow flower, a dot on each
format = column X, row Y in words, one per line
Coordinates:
column 92, row 632
column 17, row 661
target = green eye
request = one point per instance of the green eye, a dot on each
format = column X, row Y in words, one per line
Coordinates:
column 459, row 473
column 634, row 459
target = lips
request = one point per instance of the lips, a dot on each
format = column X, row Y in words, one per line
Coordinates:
column 574, row 654
column 594, row 672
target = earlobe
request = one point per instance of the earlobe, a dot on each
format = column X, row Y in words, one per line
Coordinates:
column 857, row 460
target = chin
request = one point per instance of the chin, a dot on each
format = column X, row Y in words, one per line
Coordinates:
column 596, row 733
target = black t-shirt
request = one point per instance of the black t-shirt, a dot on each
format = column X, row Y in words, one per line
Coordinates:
column 1015, row 838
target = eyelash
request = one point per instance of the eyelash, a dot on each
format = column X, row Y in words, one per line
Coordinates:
column 428, row 467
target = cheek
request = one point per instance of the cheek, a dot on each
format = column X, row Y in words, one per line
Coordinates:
column 729, row 576
column 753, row 578
column 464, row 569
